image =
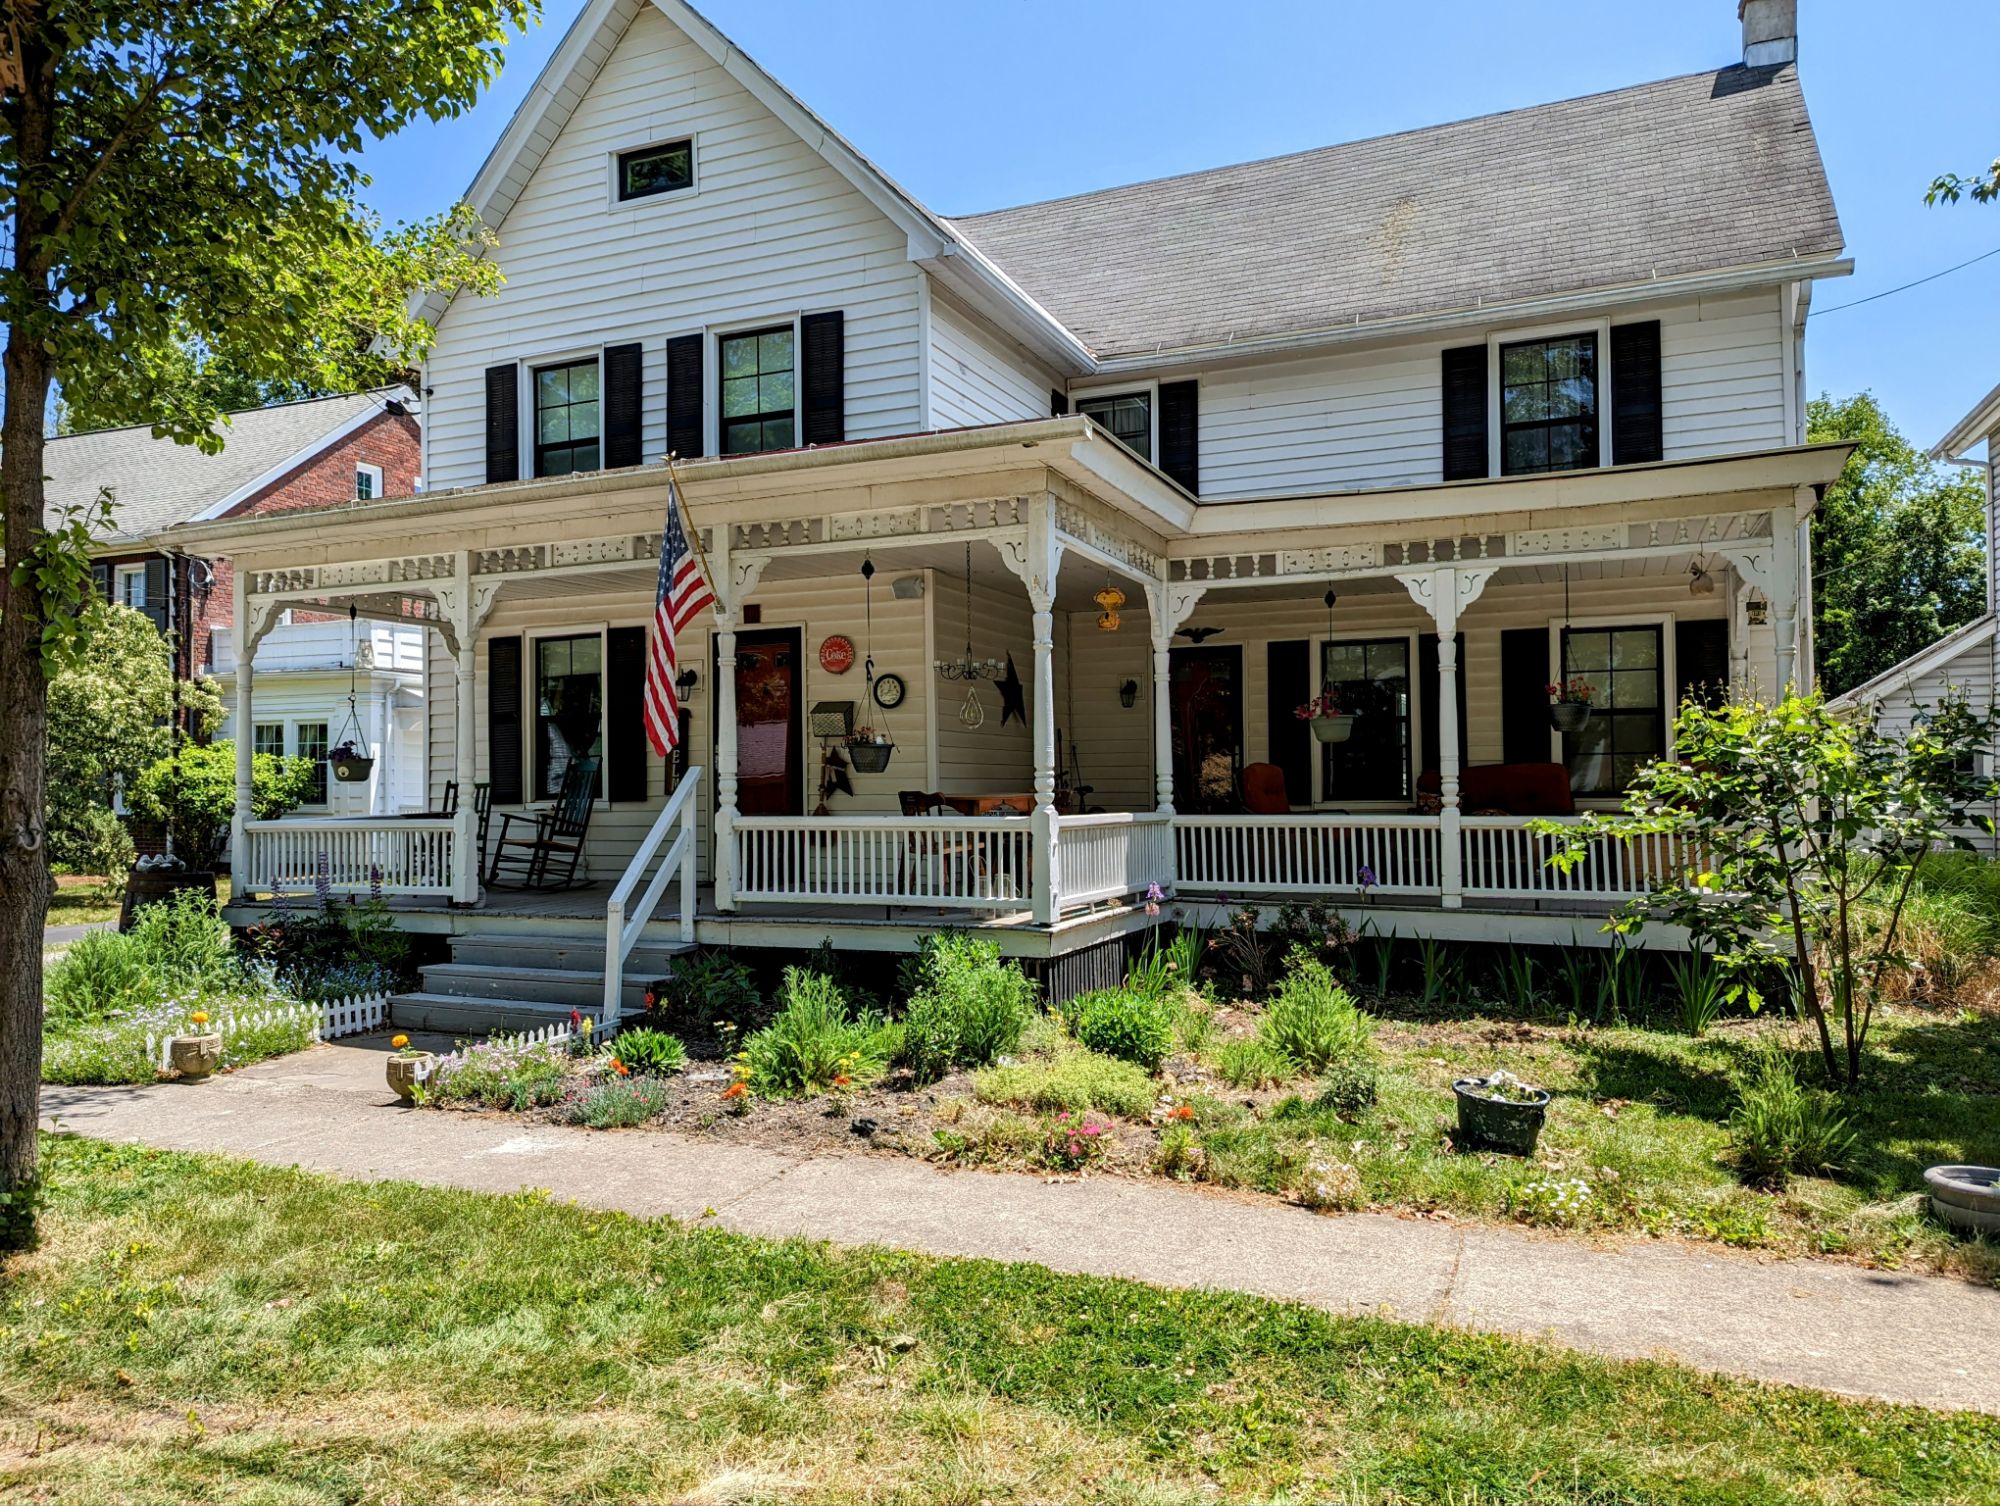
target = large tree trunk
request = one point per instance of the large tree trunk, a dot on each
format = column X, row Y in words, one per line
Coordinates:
column 24, row 868
column 24, row 690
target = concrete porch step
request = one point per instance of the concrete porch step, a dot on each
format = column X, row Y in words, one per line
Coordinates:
column 470, row 1017
column 571, row 987
column 649, row 959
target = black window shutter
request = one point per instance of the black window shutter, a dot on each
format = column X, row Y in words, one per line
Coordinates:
column 1464, row 412
column 503, row 422
column 625, row 712
column 1635, row 393
column 1180, row 432
column 100, row 579
column 684, row 396
column 503, row 719
column 1524, row 695
column 624, row 404
column 1288, row 681
column 1701, row 661
column 823, row 377
column 1058, row 402
column 158, row 598
column 1427, row 700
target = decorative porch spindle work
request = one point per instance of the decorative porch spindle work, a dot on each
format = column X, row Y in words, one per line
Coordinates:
column 1504, row 860
column 1342, row 858
column 394, row 856
column 969, row 862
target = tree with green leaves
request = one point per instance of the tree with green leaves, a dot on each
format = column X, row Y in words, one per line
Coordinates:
column 1898, row 547
column 1949, row 188
column 1799, row 836
column 181, row 176
column 193, row 790
column 113, row 705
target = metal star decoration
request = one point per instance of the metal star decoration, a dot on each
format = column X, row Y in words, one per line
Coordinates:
column 1013, row 694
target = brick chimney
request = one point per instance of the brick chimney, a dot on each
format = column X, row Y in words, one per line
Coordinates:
column 1770, row 32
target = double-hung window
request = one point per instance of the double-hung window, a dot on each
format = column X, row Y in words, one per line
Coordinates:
column 1128, row 415
column 567, row 422
column 268, row 737
column 1626, row 672
column 1371, row 677
column 129, row 587
column 1548, row 405
column 313, row 744
column 569, row 708
column 367, row 482
column 759, row 392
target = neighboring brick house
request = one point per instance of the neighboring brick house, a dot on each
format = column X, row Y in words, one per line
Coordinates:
column 294, row 455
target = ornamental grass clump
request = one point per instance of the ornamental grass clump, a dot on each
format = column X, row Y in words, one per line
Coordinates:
column 1133, row 1026
column 1313, row 1022
column 1779, row 1127
column 812, row 1040
column 968, row 1007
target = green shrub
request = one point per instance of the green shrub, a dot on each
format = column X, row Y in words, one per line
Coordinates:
column 1134, row 1027
column 618, row 1102
column 1780, row 1127
column 1347, row 1087
column 500, row 1074
column 194, row 793
column 185, row 942
column 1252, row 1062
column 1074, row 1080
column 1313, row 1022
column 650, row 1052
column 812, row 1039
column 706, row 990
column 968, row 1008
column 101, row 974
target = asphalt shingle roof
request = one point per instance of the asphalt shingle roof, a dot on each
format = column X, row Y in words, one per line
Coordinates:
column 1690, row 174
column 156, row 483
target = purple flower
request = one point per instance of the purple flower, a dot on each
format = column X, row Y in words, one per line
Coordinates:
column 1155, row 893
column 1367, row 877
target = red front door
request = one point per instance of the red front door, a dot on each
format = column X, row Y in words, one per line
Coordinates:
column 770, row 765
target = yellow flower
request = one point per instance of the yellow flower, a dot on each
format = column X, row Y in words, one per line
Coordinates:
column 199, row 1017
column 400, row 1041
column 586, row 1024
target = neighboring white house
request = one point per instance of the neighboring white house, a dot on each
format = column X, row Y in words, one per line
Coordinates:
column 1524, row 394
column 306, row 674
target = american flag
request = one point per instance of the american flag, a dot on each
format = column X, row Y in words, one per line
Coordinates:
column 683, row 592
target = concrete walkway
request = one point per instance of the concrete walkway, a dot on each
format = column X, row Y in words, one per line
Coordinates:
column 1900, row 1337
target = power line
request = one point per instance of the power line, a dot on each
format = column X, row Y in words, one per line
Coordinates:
column 1815, row 313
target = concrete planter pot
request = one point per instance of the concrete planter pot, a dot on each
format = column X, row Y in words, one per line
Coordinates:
column 195, row 1057
column 1332, row 729
column 405, row 1072
column 1498, row 1123
column 1966, row 1197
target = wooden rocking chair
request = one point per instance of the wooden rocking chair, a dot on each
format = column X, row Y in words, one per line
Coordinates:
column 532, row 859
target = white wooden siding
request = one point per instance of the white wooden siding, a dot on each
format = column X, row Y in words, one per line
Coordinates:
column 989, row 758
column 1722, row 376
column 771, row 230
column 979, row 378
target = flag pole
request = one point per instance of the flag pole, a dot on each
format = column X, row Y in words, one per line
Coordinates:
column 693, row 533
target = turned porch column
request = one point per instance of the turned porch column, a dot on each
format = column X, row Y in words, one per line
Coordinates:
column 1445, row 592
column 1167, row 607
column 1037, row 561
column 465, row 604
column 724, row 835
column 1785, row 593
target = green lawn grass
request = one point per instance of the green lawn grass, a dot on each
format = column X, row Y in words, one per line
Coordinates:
column 197, row 1328
column 80, row 900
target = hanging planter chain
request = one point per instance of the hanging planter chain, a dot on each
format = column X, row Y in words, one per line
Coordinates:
column 352, row 759
column 869, row 754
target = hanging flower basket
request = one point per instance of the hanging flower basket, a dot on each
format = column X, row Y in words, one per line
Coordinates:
column 350, row 765
column 1569, row 705
column 1332, row 729
column 870, row 756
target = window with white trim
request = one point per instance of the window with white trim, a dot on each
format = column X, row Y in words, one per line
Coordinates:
column 268, row 737
column 129, row 587
column 759, row 391
column 568, row 423
column 1625, row 668
column 367, row 482
column 1128, row 415
column 654, row 170
column 311, row 741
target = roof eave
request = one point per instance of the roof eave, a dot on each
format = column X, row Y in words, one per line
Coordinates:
column 1900, row 675
column 1970, row 430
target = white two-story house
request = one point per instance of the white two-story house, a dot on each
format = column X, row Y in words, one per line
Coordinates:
column 1076, row 504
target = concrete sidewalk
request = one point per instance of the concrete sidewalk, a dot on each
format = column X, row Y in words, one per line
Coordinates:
column 1899, row 1337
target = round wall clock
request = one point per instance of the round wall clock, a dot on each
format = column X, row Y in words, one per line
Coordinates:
column 836, row 654
column 889, row 691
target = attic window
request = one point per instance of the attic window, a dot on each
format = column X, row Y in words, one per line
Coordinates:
column 654, row 170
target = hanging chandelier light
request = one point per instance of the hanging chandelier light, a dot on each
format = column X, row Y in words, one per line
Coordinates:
column 966, row 667
column 1109, row 600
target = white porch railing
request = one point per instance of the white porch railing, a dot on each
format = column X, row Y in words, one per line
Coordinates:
column 942, row 862
column 1505, row 860
column 390, row 855
column 622, row 931
column 1109, row 857
column 1328, row 854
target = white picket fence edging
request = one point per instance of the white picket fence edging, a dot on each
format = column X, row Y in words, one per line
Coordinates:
column 352, row 1015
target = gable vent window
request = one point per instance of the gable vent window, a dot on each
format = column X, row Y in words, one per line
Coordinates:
column 654, row 170
column 1128, row 415
column 1548, row 405
column 759, row 401
column 567, row 424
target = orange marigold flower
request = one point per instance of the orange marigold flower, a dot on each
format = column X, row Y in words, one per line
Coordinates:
column 736, row 1090
column 1180, row 1111
column 620, row 1068
column 842, row 1080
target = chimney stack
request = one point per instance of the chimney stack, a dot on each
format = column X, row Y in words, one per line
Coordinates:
column 1770, row 32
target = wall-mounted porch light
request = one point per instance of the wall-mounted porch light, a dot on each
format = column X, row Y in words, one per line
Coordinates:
column 1128, row 694
column 686, row 680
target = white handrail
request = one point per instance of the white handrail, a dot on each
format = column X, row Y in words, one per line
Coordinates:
column 622, row 933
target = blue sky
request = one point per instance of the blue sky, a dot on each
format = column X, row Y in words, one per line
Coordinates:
column 979, row 105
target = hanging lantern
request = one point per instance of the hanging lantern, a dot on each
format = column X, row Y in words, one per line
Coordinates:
column 1109, row 600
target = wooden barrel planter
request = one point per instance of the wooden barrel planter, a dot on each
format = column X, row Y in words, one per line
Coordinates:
column 148, row 886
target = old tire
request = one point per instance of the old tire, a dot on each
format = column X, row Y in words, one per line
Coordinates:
column 1966, row 1197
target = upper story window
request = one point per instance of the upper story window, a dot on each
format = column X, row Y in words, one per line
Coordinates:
column 1548, row 405
column 654, row 170
column 1128, row 415
column 759, row 400
column 566, row 419
column 367, row 482
column 129, row 587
